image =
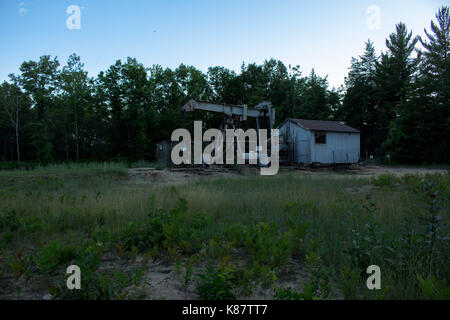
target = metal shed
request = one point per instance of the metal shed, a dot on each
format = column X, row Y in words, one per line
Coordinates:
column 319, row 142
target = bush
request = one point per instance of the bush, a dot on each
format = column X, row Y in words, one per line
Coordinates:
column 384, row 180
column 141, row 237
column 21, row 264
column 267, row 245
column 100, row 286
column 217, row 283
column 411, row 180
column 167, row 229
column 348, row 282
column 287, row 294
column 53, row 255
column 9, row 221
column 96, row 285
column 433, row 289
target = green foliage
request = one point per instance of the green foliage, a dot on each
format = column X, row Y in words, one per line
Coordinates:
column 9, row 221
column 287, row 294
column 348, row 282
column 75, row 117
column 96, row 284
column 21, row 264
column 317, row 287
column 367, row 236
column 215, row 249
column 384, row 180
column 54, row 254
column 292, row 220
column 187, row 273
column 266, row 244
column 112, row 285
column 433, row 289
column 89, row 257
column 41, row 143
column 431, row 234
column 168, row 229
column 319, row 283
column 141, row 237
column 411, row 180
column 419, row 247
column 217, row 283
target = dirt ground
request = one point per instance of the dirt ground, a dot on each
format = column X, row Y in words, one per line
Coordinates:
column 163, row 282
column 188, row 174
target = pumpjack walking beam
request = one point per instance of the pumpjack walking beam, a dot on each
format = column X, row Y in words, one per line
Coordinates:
column 262, row 111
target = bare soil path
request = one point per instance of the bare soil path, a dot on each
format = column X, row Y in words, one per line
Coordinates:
column 173, row 176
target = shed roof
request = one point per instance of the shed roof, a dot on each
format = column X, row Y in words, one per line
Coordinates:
column 322, row 125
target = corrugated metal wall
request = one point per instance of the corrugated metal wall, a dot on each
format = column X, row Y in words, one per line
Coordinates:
column 339, row 147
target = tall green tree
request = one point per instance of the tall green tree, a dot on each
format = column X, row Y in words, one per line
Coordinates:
column 76, row 96
column 394, row 80
column 221, row 80
column 315, row 99
column 138, row 113
column 360, row 108
column 436, row 66
column 14, row 102
column 435, row 86
column 39, row 80
column 110, row 83
column 420, row 132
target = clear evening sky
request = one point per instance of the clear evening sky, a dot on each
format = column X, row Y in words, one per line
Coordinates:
column 323, row 35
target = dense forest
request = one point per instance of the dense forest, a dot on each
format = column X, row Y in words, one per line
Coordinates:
column 399, row 100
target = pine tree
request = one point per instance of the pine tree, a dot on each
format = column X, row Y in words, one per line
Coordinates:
column 435, row 86
column 436, row 67
column 394, row 81
column 359, row 108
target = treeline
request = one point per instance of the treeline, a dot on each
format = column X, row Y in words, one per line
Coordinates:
column 399, row 100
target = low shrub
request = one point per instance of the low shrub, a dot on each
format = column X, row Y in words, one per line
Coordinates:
column 267, row 244
column 384, row 180
column 54, row 254
column 167, row 229
column 9, row 221
column 112, row 285
column 217, row 283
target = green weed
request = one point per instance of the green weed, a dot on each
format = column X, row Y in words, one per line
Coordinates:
column 384, row 180
column 217, row 283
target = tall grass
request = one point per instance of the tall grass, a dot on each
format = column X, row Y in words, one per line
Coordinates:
column 78, row 168
column 345, row 227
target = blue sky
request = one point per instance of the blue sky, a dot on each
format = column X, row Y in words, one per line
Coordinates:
column 313, row 34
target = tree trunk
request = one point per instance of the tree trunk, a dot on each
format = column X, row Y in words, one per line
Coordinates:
column 76, row 137
column 17, row 143
column 14, row 123
column 17, row 134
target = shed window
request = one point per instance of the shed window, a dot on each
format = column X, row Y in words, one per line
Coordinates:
column 320, row 137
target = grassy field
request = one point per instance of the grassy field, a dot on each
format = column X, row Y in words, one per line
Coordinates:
column 288, row 236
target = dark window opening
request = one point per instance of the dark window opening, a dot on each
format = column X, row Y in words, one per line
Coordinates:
column 320, row 137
